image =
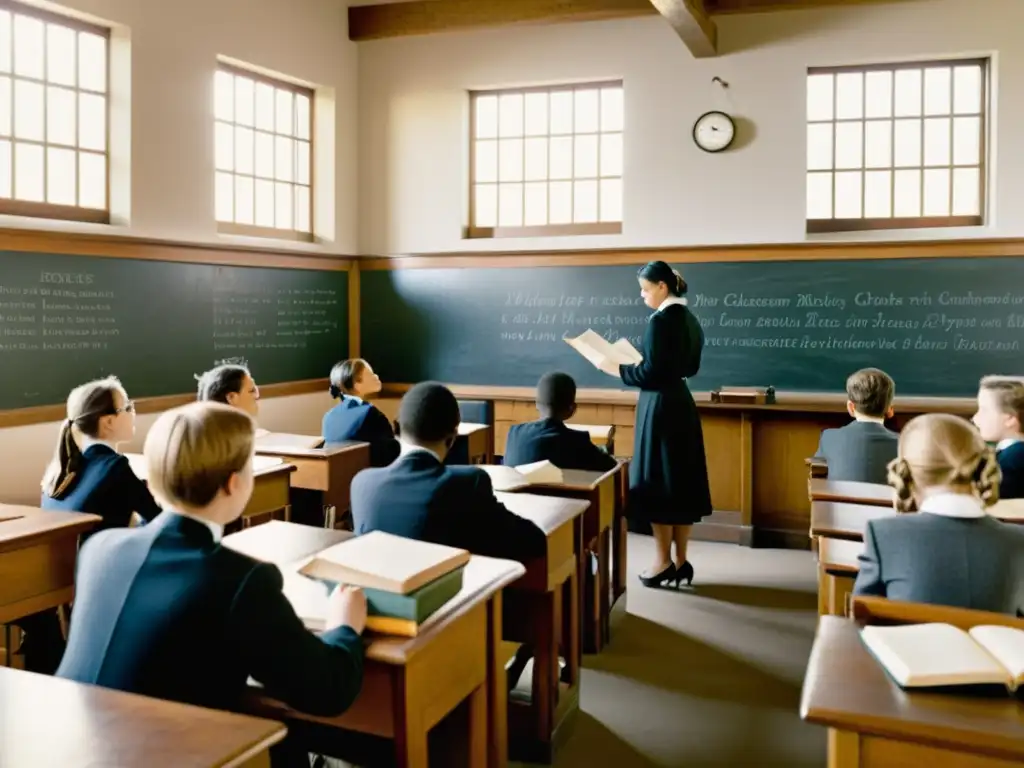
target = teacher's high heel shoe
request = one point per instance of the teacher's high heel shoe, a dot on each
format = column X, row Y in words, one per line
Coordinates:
column 656, row 580
column 683, row 572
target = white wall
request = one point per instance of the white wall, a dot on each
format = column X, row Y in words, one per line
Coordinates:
column 414, row 119
column 174, row 49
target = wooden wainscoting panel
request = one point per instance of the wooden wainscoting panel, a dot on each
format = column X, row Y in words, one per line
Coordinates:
column 722, row 447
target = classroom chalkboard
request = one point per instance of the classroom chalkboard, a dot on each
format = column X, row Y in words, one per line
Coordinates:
column 936, row 325
column 65, row 319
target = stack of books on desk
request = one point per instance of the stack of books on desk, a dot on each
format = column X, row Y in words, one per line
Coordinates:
column 405, row 581
column 514, row 478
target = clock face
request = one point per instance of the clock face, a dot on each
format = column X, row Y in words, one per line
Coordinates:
column 714, row 131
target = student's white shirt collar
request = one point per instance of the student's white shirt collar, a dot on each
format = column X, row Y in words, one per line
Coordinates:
column 874, row 419
column 1006, row 443
column 670, row 301
column 953, row 505
column 404, row 449
column 85, row 443
column 357, row 398
column 215, row 528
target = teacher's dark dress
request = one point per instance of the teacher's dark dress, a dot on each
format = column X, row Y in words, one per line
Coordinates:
column 668, row 475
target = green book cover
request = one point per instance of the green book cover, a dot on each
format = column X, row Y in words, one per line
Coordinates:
column 417, row 606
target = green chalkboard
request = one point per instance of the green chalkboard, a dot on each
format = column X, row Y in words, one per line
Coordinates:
column 66, row 319
column 936, row 325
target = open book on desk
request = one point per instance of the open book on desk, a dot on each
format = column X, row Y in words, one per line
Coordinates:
column 516, row 478
column 596, row 349
column 941, row 655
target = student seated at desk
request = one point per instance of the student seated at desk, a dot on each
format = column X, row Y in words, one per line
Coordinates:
column 355, row 419
column 952, row 552
column 862, row 449
column 232, row 385
column 165, row 611
column 999, row 418
column 549, row 439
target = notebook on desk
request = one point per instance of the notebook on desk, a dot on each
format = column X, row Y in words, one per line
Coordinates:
column 271, row 440
column 523, row 476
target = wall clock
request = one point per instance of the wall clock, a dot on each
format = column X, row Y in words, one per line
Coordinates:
column 714, row 131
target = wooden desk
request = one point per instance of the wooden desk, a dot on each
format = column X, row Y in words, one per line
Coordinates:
column 53, row 722
column 602, row 436
column 837, row 572
column 409, row 684
column 842, row 520
column 271, row 481
column 873, row 722
column 329, row 470
column 545, row 605
column 823, row 489
column 478, row 440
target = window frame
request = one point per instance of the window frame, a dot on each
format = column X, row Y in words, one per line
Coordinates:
column 56, row 211
column 254, row 230
column 474, row 232
column 834, row 225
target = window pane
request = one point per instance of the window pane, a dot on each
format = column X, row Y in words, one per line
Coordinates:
column 28, row 47
column 611, row 154
column 485, row 205
column 908, row 92
column 92, row 121
column 92, row 180
column 560, row 150
column 5, row 106
column 485, row 110
column 244, row 100
column 510, row 114
column 510, row 205
column 849, row 145
column 28, row 110
column 60, row 116
column 92, row 62
column 224, row 147
column 485, row 163
column 61, row 184
column 966, row 140
column 848, row 195
column 285, row 112
column 224, row 96
column 537, row 116
column 586, row 157
column 878, row 94
column 244, row 151
column 302, row 223
column 819, row 146
column 285, row 205
column 561, row 112
column 302, row 116
column 510, row 160
column 936, row 141
column 284, row 160
column 849, row 95
column 28, row 172
column 611, row 200
column 878, row 144
column 302, row 162
column 5, row 168
column 907, row 194
column 264, row 151
column 584, row 202
column 60, row 55
column 966, row 192
column 819, row 97
column 264, row 114
column 819, row 195
column 586, row 110
column 937, row 90
column 5, row 42
column 936, row 192
column 611, row 109
column 537, row 161
column 907, row 148
column 224, row 197
column 536, row 211
column 878, row 194
column 560, row 202
column 244, row 200
column 967, row 89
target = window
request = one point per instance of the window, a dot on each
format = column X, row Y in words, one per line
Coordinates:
column 896, row 146
column 53, row 116
column 263, row 147
column 546, row 161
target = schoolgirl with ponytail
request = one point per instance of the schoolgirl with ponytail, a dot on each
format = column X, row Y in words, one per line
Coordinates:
column 355, row 419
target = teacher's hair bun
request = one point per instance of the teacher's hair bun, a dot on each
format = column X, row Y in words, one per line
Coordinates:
column 681, row 286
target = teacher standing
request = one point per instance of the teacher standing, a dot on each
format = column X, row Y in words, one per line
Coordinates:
column 668, row 476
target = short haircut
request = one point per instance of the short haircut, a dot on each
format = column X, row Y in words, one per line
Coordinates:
column 216, row 384
column 556, row 392
column 344, row 376
column 871, row 391
column 1009, row 393
column 192, row 451
column 429, row 413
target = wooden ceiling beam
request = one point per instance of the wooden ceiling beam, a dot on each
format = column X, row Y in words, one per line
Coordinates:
column 692, row 23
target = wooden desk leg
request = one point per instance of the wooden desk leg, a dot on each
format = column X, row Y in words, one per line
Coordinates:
column 477, row 728
column 619, row 532
column 410, row 731
column 843, row 749
column 823, row 591
column 571, row 630
column 497, row 693
column 545, row 668
column 604, row 607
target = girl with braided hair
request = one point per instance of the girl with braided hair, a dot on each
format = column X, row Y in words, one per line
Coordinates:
column 951, row 552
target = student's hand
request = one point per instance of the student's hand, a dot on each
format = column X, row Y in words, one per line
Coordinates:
column 346, row 607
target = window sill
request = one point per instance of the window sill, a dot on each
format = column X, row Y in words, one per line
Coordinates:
column 844, row 226
column 550, row 230
column 264, row 233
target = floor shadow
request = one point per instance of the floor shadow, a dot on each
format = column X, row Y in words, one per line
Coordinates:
column 590, row 738
column 758, row 597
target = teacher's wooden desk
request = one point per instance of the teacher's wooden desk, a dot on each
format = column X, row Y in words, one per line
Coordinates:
column 52, row 722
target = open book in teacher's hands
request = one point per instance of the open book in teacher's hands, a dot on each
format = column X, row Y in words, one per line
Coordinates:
column 597, row 349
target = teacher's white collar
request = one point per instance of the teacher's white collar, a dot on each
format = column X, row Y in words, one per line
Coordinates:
column 670, row 301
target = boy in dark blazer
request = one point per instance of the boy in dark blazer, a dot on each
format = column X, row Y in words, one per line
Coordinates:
column 999, row 418
column 549, row 439
column 166, row 611
column 861, row 451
